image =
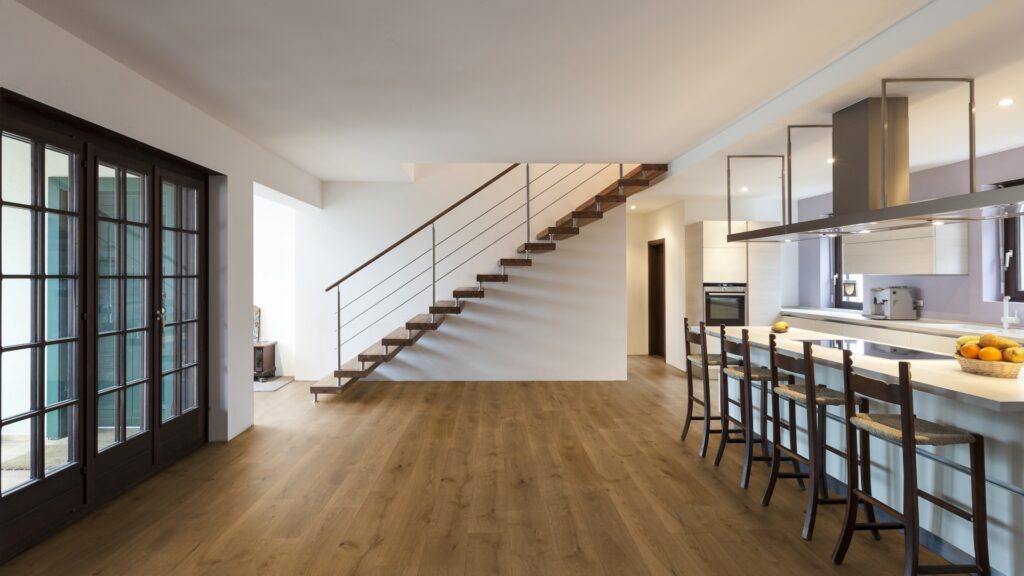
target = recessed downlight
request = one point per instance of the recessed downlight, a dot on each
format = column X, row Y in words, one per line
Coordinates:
column 744, row 189
column 1006, row 102
column 632, row 207
column 830, row 160
column 937, row 222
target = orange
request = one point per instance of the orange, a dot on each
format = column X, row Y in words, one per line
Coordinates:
column 969, row 350
column 990, row 353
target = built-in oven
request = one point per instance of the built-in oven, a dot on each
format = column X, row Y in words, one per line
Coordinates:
column 725, row 304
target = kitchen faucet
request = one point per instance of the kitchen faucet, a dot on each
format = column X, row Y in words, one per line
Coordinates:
column 1007, row 319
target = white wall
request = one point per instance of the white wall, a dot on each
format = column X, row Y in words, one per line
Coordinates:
column 562, row 319
column 44, row 62
column 274, row 276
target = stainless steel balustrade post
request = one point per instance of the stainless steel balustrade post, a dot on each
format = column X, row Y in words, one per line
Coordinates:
column 338, row 319
column 433, row 267
column 527, row 202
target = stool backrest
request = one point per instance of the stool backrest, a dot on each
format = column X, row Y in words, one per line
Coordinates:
column 899, row 394
column 739, row 350
column 699, row 338
column 792, row 366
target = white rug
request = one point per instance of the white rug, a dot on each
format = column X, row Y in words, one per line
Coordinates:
column 272, row 385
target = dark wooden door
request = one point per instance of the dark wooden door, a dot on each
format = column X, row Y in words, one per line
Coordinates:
column 656, row 298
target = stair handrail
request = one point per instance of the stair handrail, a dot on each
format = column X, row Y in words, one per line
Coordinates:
column 423, row 226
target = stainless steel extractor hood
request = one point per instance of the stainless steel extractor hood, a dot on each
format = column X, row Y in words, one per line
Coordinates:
column 871, row 178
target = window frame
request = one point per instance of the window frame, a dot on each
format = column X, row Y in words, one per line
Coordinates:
column 1011, row 259
column 837, row 278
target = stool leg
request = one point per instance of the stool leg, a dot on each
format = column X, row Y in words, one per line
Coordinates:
column 822, row 439
column 746, row 391
column 689, row 400
column 776, row 453
column 865, row 470
column 852, row 501
column 765, row 384
column 979, row 506
column 814, row 473
column 726, row 423
column 705, row 379
column 792, row 439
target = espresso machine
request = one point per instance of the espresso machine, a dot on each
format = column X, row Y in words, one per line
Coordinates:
column 892, row 303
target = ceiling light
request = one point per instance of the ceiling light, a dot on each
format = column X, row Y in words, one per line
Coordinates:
column 863, row 231
column 937, row 222
column 632, row 207
column 744, row 189
column 1006, row 102
column 830, row 161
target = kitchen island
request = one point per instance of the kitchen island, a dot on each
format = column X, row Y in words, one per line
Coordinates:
column 943, row 393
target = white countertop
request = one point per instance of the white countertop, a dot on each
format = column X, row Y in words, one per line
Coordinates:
column 940, row 377
column 921, row 326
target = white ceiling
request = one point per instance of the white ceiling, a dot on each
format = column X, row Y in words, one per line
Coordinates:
column 357, row 89
column 985, row 46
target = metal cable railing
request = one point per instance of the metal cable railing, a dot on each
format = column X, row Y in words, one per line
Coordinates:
column 467, row 260
column 434, row 244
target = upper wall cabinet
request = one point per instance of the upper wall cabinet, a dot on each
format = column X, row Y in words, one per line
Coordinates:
column 922, row 250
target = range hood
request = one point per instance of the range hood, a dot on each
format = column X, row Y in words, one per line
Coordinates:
column 864, row 134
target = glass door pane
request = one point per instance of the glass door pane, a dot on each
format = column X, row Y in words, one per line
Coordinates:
column 39, row 340
column 179, row 301
column 123, row 275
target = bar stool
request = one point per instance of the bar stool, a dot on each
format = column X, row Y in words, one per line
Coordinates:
column 909, row 431
column 746, row 373
column 808, row 394
column 705, row 361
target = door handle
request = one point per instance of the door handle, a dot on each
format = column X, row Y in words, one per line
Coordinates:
column 160, row 317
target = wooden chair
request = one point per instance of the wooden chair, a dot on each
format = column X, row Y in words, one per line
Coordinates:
column 746, row 373
column 705, row 361
column 909, row 431
column 806, row 394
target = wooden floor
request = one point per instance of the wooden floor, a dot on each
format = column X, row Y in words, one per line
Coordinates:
column 460, row 478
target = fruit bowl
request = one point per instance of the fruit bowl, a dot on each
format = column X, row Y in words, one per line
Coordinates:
column 995, row 369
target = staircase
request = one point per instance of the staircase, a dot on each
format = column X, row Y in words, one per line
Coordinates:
column 594, row 206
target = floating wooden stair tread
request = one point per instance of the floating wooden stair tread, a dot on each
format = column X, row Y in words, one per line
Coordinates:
column 402, row 337
column 606, row 203
column 536, row 247
column 378, row 353
column 515, row 262
column 626, row 187
column 468, row 292
column 330, row 385
column 582, row 217
column 356, row 369
column 447, row 307
column 492, row 277
column 425, row 322
column 558, row 232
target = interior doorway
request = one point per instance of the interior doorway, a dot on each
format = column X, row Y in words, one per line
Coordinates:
column 656, row 298
column 273, row 290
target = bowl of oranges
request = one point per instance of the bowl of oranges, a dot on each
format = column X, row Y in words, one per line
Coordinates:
column 990, row 355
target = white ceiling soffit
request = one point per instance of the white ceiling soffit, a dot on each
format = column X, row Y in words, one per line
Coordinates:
column 353, row 90
column 976, row 39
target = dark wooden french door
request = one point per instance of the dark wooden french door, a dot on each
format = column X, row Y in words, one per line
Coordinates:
column 103, row 314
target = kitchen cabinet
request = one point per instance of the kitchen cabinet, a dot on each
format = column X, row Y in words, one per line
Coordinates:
column 921, row 250
column 711, row 259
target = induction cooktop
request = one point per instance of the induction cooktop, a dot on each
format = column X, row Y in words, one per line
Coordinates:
column 879, row 350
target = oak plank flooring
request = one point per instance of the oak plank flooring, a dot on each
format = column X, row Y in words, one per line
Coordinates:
column 443, row 478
